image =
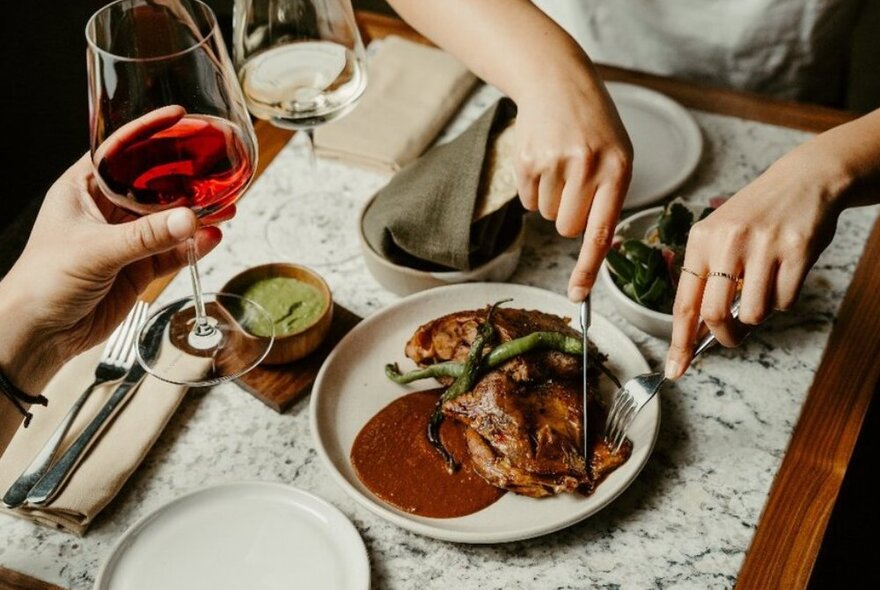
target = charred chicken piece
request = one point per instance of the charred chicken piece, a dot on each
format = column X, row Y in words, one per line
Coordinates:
column 526, row 437
column 524, row 417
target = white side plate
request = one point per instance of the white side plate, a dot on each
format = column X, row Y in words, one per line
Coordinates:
column 666, row 139
column 351, row 387
column 259, row 536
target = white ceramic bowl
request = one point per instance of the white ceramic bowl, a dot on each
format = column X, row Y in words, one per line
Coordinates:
column 404, row 280
column 647, row 320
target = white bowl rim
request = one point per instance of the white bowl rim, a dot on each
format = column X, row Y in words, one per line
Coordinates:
column 605, row 271
column 634, row 305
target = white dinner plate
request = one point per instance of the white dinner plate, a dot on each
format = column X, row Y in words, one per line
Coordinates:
column 259, row 536
column 351, row 387
column 666, row 139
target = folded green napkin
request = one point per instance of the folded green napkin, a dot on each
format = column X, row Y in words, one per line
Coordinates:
column 423, row 218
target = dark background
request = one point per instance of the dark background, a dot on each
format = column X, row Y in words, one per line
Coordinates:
column 45, row 129
column 45, row 105
column 45, row 112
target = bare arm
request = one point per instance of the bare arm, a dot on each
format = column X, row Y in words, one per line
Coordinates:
column 509, row 43
column 574, row 157
column 771, row 233
column 853, row 154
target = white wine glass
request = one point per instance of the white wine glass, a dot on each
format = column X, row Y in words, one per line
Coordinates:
column 301, row 63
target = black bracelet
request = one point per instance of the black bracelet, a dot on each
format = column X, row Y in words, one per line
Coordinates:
column 19, row 398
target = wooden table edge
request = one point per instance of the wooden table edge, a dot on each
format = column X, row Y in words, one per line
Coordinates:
column 13, row 580
column 806, row 486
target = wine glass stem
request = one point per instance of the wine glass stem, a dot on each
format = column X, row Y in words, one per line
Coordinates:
column 202, row 327
column 310, row 153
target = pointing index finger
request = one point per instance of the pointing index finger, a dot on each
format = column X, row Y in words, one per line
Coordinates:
column 602, row 220
column 686, row 317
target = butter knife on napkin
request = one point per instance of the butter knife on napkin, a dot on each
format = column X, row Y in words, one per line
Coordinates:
column 123, row 444
column 47, row 487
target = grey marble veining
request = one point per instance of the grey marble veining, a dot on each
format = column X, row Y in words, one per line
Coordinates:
column 685, row 522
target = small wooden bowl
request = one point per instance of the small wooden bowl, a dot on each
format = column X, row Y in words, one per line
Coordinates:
column 295, row 345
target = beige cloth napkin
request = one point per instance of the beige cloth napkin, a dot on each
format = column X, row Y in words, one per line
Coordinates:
column 118, row 451
column 412, row 91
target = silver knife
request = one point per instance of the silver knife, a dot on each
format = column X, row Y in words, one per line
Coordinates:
column 585, row 324
column 51, row 483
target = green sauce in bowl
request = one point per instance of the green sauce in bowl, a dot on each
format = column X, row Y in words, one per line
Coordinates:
column 292, row 304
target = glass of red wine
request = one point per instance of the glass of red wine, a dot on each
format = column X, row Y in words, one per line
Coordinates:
column 169, row 128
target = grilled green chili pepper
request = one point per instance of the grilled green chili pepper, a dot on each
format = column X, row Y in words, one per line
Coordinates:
column 498, row 356
column 447, row 369
column 462, row 384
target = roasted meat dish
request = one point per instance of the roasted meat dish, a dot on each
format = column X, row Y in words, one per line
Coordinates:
column 523, row 418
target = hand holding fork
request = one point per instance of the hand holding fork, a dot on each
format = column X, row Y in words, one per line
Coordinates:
column 639, row 390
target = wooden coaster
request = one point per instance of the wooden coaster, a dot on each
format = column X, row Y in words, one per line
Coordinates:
column 280, row 386
column 12, row 580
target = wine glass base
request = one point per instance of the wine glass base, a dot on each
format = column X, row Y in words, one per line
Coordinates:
column 232, row 343
column 206, row 338
column 325, row 238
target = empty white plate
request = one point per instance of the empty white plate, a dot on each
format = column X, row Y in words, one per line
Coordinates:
column 666, row 139
column 258, row 536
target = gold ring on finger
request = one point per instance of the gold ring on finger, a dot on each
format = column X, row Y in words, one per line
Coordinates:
column 690, row 272
column 726, row 275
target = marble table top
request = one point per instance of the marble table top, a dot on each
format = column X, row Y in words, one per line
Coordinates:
column 687, row 520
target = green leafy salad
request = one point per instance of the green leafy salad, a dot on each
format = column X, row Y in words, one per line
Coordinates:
column 647, row 270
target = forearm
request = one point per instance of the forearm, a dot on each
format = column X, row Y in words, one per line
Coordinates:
column 508, row 43
column 10, row 420
column 573, row 157
column 845, row 161
column 21, row 364
column 27, row 356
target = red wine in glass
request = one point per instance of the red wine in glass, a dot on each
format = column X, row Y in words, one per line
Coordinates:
column 199, row 162
column 169, row 128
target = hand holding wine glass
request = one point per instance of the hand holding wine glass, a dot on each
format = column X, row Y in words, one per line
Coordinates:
column 94, row 260
column 169, row 128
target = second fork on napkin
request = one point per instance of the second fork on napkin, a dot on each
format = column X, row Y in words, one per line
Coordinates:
column 119, row 450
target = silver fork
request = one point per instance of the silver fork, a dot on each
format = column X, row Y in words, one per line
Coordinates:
column 118, row 357
column 638, row 391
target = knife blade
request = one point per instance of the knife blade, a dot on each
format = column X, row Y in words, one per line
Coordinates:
column 585, row 324
column 51, row 483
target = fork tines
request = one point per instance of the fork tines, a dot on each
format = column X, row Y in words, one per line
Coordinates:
column 121, row 344
column 620, row 417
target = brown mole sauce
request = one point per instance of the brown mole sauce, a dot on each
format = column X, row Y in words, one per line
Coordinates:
column 394, row 459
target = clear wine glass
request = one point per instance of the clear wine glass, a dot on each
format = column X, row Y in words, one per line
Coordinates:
column 300, row 63
column 169, row 128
